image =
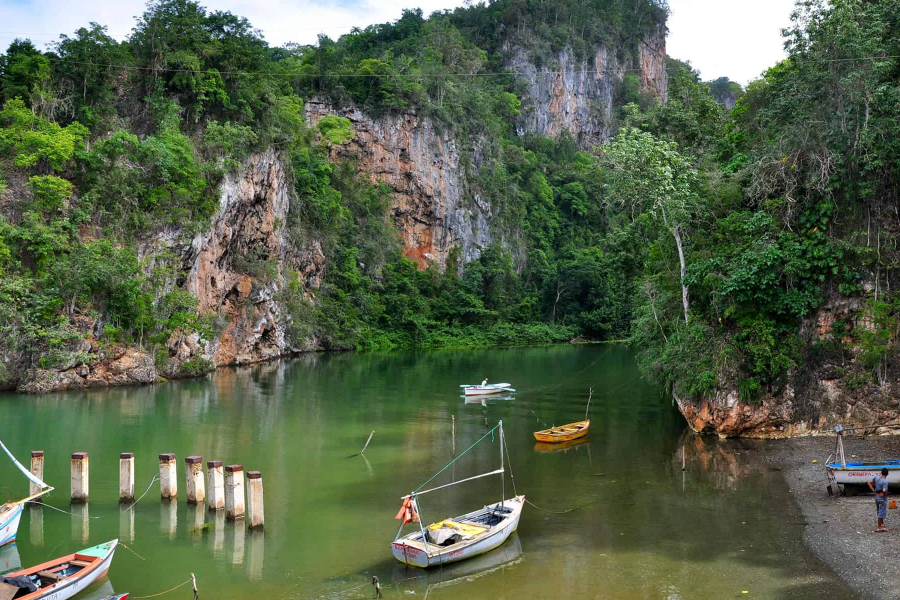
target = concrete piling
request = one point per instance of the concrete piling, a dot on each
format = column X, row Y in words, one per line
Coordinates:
column 126, row 477
column 215, row 485
column 193, row 473
column 80, row 488
column 37, row 469
column 255, row 508
column 234, row 492
column 168, row 480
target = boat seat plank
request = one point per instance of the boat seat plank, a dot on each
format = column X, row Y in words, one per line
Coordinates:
column 7, row 591
column 50, row 575
column 80, row 563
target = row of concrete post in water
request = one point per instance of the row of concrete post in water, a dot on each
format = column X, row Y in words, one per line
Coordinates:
column 222, row 488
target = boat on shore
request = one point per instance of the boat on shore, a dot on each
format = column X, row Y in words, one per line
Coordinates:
column 462, row 537
column 857, row 473
column 491, row 388
column 60, row 578
column 11, row 512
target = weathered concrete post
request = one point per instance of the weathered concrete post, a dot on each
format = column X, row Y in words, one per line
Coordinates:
column 215, row 483
column 37, row 469
column 126, row 477
column 80, row 491
column 234, row 492
column 255, row 508
column 193, row 474
column 168, row 480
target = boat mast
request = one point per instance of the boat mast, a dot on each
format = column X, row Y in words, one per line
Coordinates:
column 502, row 475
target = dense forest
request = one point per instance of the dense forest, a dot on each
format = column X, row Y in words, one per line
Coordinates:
column 702, row 233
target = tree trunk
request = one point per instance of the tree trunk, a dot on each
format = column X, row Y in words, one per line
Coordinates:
column 684, row 290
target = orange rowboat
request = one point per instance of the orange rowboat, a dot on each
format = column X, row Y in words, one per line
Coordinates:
column 563, row 433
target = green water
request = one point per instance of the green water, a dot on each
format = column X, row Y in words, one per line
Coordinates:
column 725, row 525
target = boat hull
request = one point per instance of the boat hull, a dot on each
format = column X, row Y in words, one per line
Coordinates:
column 415, row 555
column 477, row 390
column 9, row 523
column 555, row 435
column 75, row 584
column 862, row 473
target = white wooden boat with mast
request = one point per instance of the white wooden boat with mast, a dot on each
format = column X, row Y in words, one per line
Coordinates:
column 462, row 537
column 11, row 512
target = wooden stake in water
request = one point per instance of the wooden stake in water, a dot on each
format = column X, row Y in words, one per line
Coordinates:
column 37, row 469
column 367, row 442
column 588, row 407
column 453, row 432
column 194, row 584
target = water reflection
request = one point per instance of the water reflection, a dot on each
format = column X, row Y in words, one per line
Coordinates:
column 560, row 446
column 196, row 520
column 256, row 554
column 168, row 517
column 237, row 549
column 218, row 533
column 36, row 524
column 126, row 523
column 9, row 559
column 417, row 581
column 81, row 522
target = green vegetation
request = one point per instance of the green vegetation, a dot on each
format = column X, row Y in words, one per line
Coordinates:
column 705, row 235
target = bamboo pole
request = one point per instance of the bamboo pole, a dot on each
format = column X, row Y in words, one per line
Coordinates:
column 363, row 451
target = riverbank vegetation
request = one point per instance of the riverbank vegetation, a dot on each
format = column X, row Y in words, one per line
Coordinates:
column 706, row 235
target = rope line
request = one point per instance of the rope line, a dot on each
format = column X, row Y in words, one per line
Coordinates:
column 491, row 433
column 152, row 481
column 161, row 593
column 132, row 551
column 559, row 512
column 65, row 512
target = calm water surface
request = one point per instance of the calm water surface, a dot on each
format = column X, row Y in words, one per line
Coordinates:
column 725, row 525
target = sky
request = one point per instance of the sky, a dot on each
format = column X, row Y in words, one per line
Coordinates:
column 732, row 38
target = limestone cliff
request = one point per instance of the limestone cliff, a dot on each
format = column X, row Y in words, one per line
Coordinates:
column 421, row 166
column 577, row 96
column 236, row 269
column 831, row 389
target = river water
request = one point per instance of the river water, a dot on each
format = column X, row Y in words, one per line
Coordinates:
column 645, row 529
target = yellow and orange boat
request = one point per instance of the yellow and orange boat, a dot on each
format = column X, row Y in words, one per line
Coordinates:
column 563, row 433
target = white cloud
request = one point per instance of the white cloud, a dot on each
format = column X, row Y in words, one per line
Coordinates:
column 735, row 38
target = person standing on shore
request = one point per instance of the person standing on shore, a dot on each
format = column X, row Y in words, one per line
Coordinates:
column 879, row 485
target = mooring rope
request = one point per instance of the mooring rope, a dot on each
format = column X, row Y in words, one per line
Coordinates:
column 152, row 481
column 161, row 593
column 65, row 512
column 529, row 502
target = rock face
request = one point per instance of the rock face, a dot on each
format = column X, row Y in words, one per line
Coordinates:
column 577, row 95
column 421, row 166
column 116, row 366
column 836, row 390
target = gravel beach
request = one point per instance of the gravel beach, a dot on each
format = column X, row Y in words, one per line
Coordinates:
column 840, row 529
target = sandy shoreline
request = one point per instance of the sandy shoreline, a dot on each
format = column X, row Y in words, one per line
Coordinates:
column 840, row 530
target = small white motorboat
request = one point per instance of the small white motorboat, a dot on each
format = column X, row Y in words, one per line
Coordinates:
column 491, row 388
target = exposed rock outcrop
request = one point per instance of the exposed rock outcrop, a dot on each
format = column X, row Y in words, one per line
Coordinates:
column 115, row 366
column 577, row 96
column 836, row 389
column 421, row 166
